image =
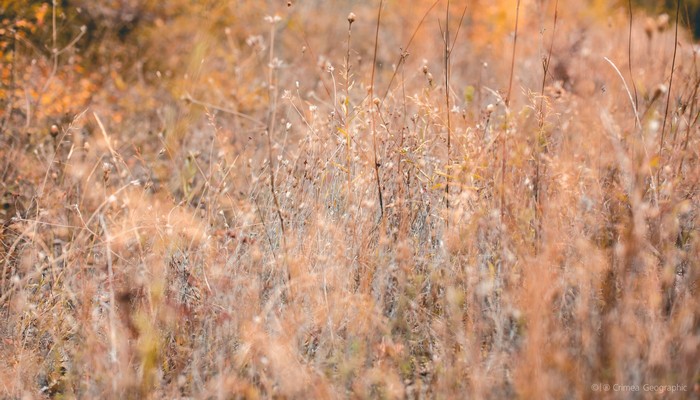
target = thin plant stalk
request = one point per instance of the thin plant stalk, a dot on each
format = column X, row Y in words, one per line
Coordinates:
column 538, row 173
column 371, row 99
column 504, row 140
column 271, row 127
column 346, row 108
column 629, row 57
column 670, row 83
column 447, row 103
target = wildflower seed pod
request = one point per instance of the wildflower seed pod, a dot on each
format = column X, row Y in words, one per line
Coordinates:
column 351, row 18
column 649, row 27
column 662, row 22
column 659, row 90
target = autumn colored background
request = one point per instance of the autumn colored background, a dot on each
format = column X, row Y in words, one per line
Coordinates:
column 307, row 199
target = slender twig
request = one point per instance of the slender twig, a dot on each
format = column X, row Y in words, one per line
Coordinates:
column 448, row 53
column 507, row 103
column 459, row 28
column 404, row 52
column 447, row 102
column 691, row 123
column 112, row 301
column 638, row 125
column 346, row 109
column 670, row 83
column 53, row 24
column 693, row 96
column 371, row 99
column 538, row 174
column 546, row 63
column 627, row 89
column 55, row 52
column 629, row 58
column 272, row 93
column 512, row 60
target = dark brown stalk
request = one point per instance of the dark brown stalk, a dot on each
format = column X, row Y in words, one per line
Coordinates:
column 447, row 103
column 508, row 98
column 629, row 58
column 691, row 122
column 459, row 27
column 512, row 60
column 346, row 106
column 693, row 99
column 538, row 173
column 448, row 53
column 546, row 63
column 270, row 130
column 670, row 83
column 373, row 112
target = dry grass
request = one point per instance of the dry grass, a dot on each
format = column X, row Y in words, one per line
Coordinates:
column 204, row 220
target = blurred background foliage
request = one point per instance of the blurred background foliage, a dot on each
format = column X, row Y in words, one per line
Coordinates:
column 690, row 11
column 136, row 50
column 59, row 56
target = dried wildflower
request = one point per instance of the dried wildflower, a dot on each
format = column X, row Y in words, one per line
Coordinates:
column 106, row 169
column 256, row 42
column 649, row 27
column 272, row 19
column 276, row 63
column 54, row 130
column 351, row 18
column 662, row 22
column 659, row 90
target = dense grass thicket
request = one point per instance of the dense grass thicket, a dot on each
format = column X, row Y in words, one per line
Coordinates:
column 349, row 199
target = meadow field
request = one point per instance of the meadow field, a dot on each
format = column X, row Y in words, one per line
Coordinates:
column 313, row 199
